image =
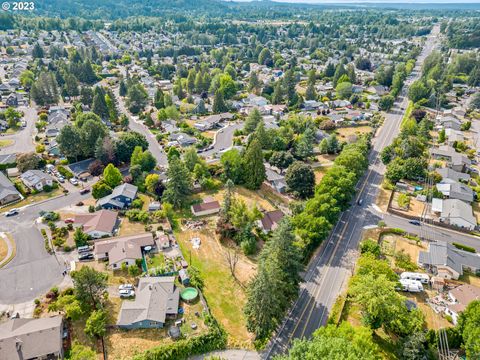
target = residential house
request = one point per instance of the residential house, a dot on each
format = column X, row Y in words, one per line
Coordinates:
column 157, row 299
column 447, row 173
column 182, row 139
column 120, row 198
column 449, row 122
column 455, row 161
column 36, row 179
column 56, row 123
column 454, row 136
column 446, row 261
column 80, row 168
column 275, row 180
column 32, row 338
column 270, row 220
column 212, row 121
column 98, row 224
column 123, row 249
column 452, row 189
column 461, row 296
column 209, row 206
column 458, row 213
column 8, row 192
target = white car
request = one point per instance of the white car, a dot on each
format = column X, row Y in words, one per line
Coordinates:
column 12, row 212
column 73, row 181
column 126, row 293
column 125, row 287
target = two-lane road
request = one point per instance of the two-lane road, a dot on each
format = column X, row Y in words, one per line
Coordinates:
column 331, row 266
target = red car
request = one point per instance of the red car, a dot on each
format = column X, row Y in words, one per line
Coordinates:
column 69, row 221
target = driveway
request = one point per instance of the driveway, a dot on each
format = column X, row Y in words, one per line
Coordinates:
column 223, row 138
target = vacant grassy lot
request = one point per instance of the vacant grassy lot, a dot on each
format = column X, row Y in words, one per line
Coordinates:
column 344, row 133
column 225, row 295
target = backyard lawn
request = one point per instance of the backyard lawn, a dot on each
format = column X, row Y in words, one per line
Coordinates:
column 225, row 296
column 6, row 142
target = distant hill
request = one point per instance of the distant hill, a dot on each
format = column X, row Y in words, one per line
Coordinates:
column 124, row 8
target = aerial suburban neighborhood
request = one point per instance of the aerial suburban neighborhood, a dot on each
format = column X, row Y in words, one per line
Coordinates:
column 252, row 180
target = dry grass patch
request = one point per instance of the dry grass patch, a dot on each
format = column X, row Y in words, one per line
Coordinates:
column 251, row 198
column 128, row 227
column 383, row 198
column 410, row 247
column 225, row 296
column 3, row 248
column 432, row 319
column 344, row 132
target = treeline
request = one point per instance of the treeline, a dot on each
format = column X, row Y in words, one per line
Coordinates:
column 276, row 284
column 332, row 196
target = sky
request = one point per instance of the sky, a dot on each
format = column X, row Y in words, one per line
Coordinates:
column 377, row 1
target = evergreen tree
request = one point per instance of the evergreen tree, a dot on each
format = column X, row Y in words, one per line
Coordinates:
column 179, row 185
column 253, row 119
column 254, row 83
column 289, row 87
column 277, row 96
column 122, row 89
column 219, row 105
column 159, row 101
column 253, row 164
column 37, row 52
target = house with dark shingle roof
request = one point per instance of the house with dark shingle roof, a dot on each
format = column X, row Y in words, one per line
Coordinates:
column 8, row 192
column 157, row 299
column 32, row 339
column 121, row 197
column 209, row 206
column 446, row 261
column 270, row 220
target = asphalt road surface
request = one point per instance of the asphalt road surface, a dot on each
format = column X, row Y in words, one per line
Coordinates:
column 23, row 138
column 135, row 125
column 331, row 266
column 32, row 271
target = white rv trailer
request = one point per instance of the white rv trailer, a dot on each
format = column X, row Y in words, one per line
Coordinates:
column 423, row 278
column 411, row 285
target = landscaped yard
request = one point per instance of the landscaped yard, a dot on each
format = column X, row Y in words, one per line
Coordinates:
column 225, row 296
column 3, row 248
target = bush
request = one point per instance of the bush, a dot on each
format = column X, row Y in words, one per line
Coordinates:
column 64, row 172
column 137, row 203
column 464, row 247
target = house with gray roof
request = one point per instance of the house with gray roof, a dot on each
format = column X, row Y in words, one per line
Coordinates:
column 449, row 122
column 8, row 192
column 32, row 339
column 447, row 173
column 275, row 180
column 452, row 189
column 456, row 161
column 446, row 261
column 36, row 179
column 458, row 213
column 120, row 198
column 157, row 300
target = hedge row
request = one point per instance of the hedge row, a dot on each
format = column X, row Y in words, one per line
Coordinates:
column 464, row 247
column 214, row 339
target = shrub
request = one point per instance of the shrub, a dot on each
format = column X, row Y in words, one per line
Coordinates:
column 464, row 247
column 214, row 339
column 64, row 172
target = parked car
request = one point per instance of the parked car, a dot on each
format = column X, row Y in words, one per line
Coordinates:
column 85, row 256
column 415, row 222
column 125, row 287
column 83, row 249
column 12, row 212
column 80, row 203
column 360, row 202
column 61, row 179
column 84, row 191
column 69, row 221
column 126, row 293
column 73, row 181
